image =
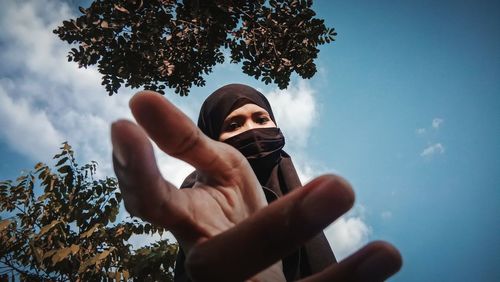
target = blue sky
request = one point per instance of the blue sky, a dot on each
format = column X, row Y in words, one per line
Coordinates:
column 405, row 105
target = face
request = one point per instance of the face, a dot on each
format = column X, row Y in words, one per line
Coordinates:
column 246, row 117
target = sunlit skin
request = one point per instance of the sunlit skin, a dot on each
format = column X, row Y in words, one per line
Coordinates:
column 224, row 215
column 246, row 117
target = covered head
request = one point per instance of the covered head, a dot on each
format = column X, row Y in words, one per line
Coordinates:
column 223, row 101
column 262, row 147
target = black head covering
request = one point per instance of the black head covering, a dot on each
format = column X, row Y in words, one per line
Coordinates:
column 275, row 172
column 223, row 101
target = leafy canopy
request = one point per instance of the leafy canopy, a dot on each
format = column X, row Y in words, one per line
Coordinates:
column 60, row 225
column 167, row 43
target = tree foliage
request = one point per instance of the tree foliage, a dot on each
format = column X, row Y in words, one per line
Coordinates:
column 60, row 225
column 167, row 43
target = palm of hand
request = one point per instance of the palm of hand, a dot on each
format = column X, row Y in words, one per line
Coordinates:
column 223, row 220
column 216, row 203
column 225, row 193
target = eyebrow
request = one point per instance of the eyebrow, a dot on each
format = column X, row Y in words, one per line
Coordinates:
column 259, row 112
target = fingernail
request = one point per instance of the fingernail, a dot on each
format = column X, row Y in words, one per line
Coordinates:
column 119, row 158
column 119, row 153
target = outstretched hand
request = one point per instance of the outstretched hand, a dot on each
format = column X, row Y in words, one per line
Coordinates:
column 223, row 223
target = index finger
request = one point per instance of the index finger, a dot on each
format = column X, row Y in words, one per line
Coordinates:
column 178, row 136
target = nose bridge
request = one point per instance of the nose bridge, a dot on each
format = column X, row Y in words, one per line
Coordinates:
column 250, row 124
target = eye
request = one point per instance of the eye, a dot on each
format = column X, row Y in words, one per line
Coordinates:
column 232, row 126
column 263, row 119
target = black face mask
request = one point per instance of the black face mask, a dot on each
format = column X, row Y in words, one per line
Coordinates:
column 258, row 143
column 262, row 148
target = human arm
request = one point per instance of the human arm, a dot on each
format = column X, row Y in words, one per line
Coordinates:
column 223, row 223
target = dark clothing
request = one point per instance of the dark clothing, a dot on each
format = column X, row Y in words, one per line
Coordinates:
column 312, row 257
column 272, row 166
column 223, row 101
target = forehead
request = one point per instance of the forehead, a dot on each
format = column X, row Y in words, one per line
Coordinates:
column 247, row 109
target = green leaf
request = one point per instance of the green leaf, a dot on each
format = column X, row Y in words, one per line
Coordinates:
column 61, row 161
column 113, row 214
column 50, row 187
column 49, row 254
column 60, row 255
column 95, row 260
column 121, row 9
column 66, row 147
column 38, row 254
column 64, row 169
column 119, row 231
column 147, row 228
column 63, row 253
column 47, row 227
column 3, row 224
column 74, row 249
column 125, row 275
column 89, row 232
column 44, row 196
column 39, row 166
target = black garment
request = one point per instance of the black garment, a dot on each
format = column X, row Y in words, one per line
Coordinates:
column 223, row 101
column 262, row 147
column 273, row 167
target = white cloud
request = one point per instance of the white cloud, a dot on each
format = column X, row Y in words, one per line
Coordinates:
column 348, row 233
column 305, row 171
column 420, row 131
column 142, row 240
column 296, row 113
column 436, row 123
column 25, row 129
column 295, row 110
column 44, row 100
column 433, row 149
column 47, row 100
column 386, row 215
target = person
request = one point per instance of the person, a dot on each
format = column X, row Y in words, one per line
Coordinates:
column 242, row 117
column 243, row 216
